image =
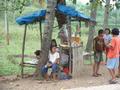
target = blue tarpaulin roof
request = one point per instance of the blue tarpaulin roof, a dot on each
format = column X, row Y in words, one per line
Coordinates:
column 38, row 15
column 69, row 11
column 35, row 16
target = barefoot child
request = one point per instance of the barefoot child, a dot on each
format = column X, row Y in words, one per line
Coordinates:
column 98, row 47
column 113, row 55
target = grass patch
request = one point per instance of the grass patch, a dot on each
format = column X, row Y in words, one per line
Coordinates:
column 10, row 65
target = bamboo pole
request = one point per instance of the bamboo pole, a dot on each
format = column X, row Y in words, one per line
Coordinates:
column 23, row 49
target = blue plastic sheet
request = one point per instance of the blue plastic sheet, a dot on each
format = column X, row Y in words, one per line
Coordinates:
column 33, row 17
column 39, row 15
column 69, row 11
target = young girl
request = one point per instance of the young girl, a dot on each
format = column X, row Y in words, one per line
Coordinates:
column 113, row 55
column 107, row 38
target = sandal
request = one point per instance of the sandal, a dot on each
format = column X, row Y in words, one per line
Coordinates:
column 112, row 81
column 99, row 74
column 94, row 75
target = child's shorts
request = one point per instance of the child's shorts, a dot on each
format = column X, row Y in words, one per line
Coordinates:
column 98, row 56
column 113, row 63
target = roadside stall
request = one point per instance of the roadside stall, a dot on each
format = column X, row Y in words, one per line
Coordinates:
column 72, row 44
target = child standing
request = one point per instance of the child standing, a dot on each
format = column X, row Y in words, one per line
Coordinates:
column 107, row 38
column 98, row 47
column 113, row 55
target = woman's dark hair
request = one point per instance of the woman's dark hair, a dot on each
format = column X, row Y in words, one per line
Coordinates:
column 100, row 31
column 108, row 29
column 53, row 43
column 52, row 47
column 115, row 31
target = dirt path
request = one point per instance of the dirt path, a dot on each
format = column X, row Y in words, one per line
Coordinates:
column 103, row 87
column 85, row 80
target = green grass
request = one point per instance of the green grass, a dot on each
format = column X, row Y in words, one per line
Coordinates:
column 10, row 65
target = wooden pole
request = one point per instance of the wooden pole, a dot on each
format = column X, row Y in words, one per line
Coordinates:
column 6, row 23
column 40, row 28
column 69, row 41
column 80, row 28
column 23, row 49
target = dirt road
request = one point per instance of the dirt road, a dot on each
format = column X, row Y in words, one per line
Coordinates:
column 85, row 80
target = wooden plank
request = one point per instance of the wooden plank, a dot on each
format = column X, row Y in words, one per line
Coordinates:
column 77, row 61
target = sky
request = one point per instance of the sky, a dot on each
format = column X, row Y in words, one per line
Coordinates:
column 84, row 1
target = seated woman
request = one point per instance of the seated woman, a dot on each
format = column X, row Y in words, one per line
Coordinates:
column 54, row 58
column 52, row 66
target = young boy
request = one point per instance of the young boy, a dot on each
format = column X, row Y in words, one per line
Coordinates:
column 113, row 55
column 98, row 47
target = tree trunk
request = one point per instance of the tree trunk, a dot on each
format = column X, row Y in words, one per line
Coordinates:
column 47, row 35
column 91, row 30
column 106, row 14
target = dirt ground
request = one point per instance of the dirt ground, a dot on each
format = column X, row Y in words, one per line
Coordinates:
column 85, row 80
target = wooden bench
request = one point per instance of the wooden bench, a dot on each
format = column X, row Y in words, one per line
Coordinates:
column 88, row 56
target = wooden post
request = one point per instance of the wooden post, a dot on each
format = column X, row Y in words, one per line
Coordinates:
column 6, row 23
column 40, row 28
column 69, row 41
column 77, row 61
column 80, row 28
column 23, row 49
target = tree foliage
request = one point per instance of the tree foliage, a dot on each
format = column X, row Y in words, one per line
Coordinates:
column 13, row 5
column 117, row 4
